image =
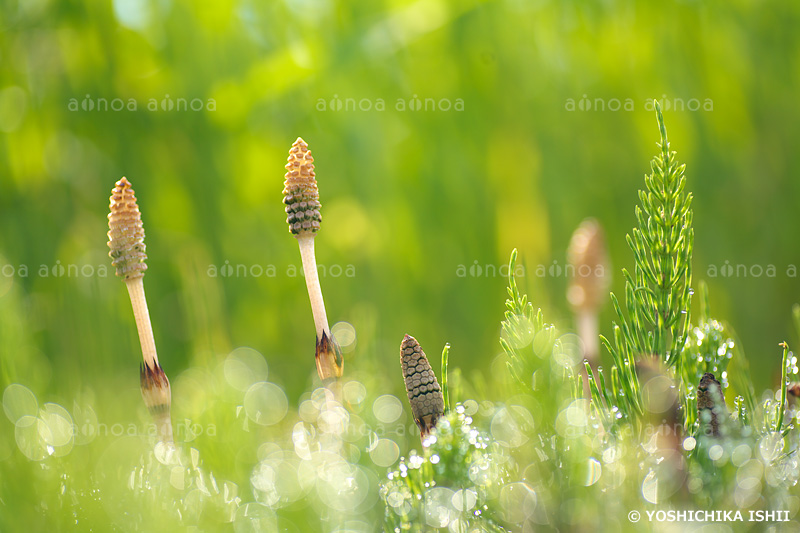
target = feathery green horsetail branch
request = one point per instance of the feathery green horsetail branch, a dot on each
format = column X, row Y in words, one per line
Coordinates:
column 658, row 294
column 424, row 394
column 521, row 325
column 301, row 197
column 126, row 240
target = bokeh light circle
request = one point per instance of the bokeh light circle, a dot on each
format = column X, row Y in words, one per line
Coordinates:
column 385, row 452
column 265, row 403
column 387, row 408
column 244, row 367
column 19, row 401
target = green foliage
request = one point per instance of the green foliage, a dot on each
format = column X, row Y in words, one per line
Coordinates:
column 527, row 340
column 411, row 196
column 784, row 383
column 658, row 294
column 754, row 453
column 796, row 317
column 708, row 348
column 445, row 386
column 451, row 484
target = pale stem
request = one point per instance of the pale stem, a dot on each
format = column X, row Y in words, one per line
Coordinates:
column 164, row 424
column 142, row 316
column 589, row 334
column 312, row 284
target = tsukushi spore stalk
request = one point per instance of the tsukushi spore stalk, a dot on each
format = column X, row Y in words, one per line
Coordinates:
column 424, row 393
column 126, row 240
column 710, row 405
column 588, row 288
column 301, row 196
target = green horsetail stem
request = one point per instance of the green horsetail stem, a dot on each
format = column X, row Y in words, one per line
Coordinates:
column 301, row 197
column 424, row 394
column 126, row 241
column 784, row 385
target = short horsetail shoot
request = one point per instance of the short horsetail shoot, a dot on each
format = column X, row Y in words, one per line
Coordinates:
column 126, row 240
column 424, row 393
column 588, row 288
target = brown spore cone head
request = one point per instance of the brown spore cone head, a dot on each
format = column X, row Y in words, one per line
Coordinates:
column 300, row 192
column 710, row 404
column 424, row 393
column 709, row 392
column 126, row 233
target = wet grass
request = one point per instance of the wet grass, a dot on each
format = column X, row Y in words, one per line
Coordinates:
column 521, row 448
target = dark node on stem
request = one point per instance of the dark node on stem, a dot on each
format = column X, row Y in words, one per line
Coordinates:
column 424, row 393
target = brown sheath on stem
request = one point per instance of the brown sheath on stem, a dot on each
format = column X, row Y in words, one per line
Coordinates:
column 328, row 357
column 156, row 395
column 126, row 241
column 301, row 196
column 424, row 393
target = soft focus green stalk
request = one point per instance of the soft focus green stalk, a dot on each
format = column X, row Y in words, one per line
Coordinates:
column 445, row 388
column 784, row 382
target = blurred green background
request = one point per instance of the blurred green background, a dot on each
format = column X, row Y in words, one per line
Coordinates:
column 518, row 144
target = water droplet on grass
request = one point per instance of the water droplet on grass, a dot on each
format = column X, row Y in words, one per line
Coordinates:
column 593, row 472
column 650, row 487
